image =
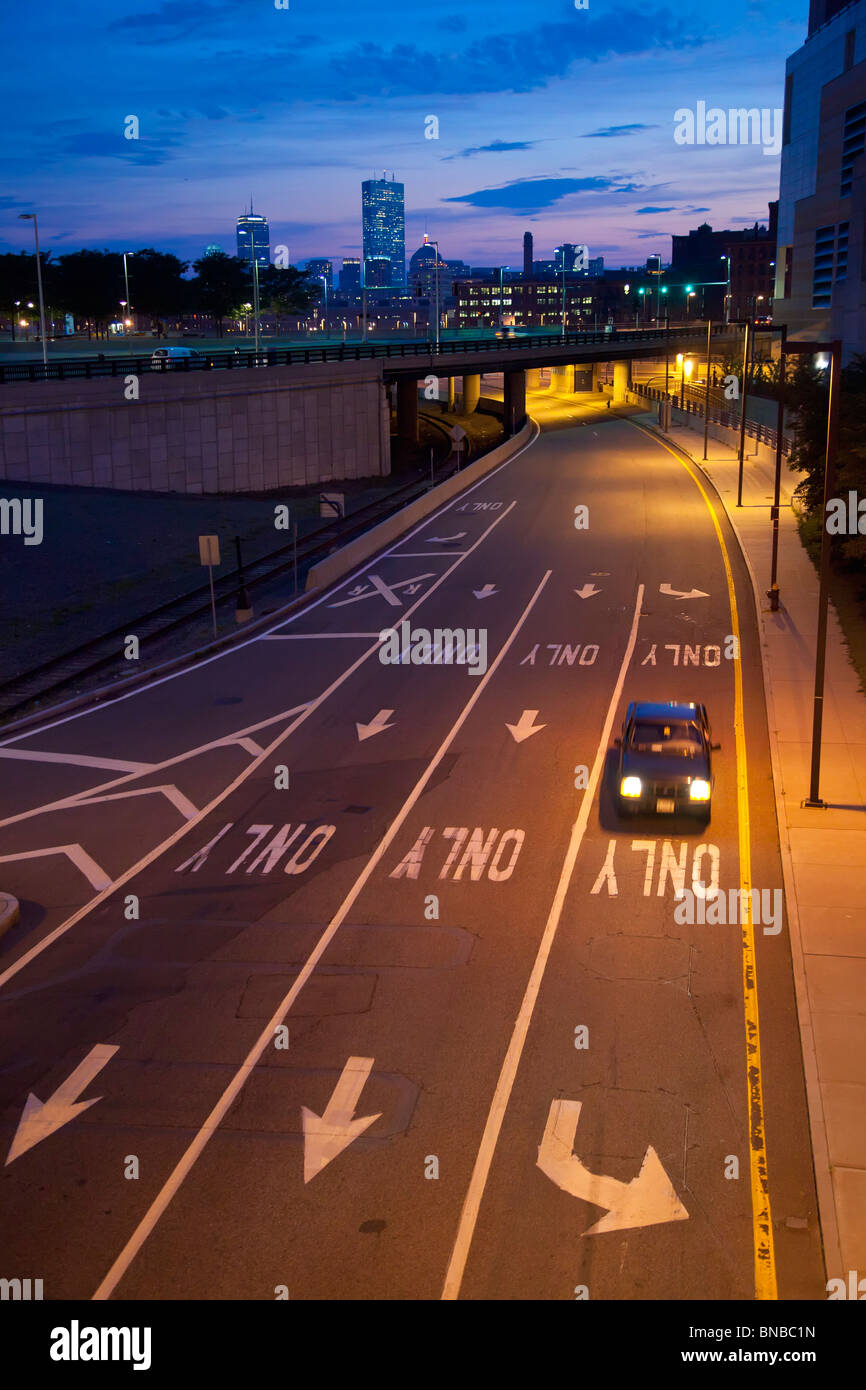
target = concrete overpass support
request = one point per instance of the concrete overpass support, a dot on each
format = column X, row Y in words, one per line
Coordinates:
column 407, row 409
column 562, row 378
column 471, row 393
column 596, row 378
column 452, row 394
column 515, row 401
column 621, row 380
column 533, row 379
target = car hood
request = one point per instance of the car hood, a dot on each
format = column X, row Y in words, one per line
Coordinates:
column 655, row 767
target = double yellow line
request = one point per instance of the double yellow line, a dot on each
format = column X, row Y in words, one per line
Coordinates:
column 765, row 1258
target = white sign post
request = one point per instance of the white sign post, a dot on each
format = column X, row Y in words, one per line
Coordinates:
column 458, row 434
column 209, row 554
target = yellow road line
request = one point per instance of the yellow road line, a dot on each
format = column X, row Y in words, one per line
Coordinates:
column 765, row 1257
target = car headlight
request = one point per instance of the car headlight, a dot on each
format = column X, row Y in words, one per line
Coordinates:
column 630, row 786
column 699, row 790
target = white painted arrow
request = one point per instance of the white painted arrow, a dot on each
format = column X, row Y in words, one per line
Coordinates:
column 525, row 726
column 375, row 726
column 588, row 591
column 648, row 1200
column 680, row 593
column 38, row 1120
column 486, row 591
column 326, row 1136
column 443, row 540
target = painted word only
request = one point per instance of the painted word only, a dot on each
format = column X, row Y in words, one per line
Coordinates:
column 492, row 854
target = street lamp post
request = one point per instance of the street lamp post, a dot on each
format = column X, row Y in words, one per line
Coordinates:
column 707, row 386
column 727, row 290
column 773, row 592
column 436, row 244
column 126, row 283
column 31, row 217
column 746, row 345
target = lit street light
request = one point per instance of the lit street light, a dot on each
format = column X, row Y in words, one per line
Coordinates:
column 126, row 283
column 31, row 217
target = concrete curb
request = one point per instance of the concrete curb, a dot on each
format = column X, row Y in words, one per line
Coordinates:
column 814, row 1099
column 334, row 566
column 9, row 912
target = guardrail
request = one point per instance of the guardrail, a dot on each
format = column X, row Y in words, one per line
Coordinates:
column 77, row 368
column 719, row 415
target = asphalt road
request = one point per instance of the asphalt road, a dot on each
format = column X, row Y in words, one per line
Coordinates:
column 440, row 922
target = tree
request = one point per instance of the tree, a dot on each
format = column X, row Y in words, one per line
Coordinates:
column 810, row 396
column 223, row 283
column 287, row 291
column 18, row 282
column 156, row 286
column 88, row 284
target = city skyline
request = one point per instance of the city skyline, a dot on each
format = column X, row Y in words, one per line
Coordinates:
column 514, row 151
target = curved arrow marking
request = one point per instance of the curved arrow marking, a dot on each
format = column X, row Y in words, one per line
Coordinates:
column 326, row 1136
column 38, row 1120
column 648, row 1200
column 681, row 593
column 486, row 591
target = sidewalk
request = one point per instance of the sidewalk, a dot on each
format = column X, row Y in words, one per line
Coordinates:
column 823, row 851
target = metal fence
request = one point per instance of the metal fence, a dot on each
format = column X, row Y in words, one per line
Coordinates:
column 719, row 415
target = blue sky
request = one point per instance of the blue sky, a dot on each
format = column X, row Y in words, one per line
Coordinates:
column 551, row 119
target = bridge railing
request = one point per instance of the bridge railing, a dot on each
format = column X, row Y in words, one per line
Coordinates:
column 719, row 415
column 87, row 369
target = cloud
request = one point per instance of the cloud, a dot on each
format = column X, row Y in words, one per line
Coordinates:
column 495, row 147
column 103, row 144
column 648, row 212
column 532, row 195
column 610, row 132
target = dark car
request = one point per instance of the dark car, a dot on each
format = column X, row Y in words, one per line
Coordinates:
column 665, row 759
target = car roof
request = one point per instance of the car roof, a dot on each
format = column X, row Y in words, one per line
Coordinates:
column 671, row 709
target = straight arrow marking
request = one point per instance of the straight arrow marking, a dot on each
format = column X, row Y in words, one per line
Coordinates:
column 39, row 1120
column 375, row 726
column 326, row 1136
column 648, row 1200
column 525, row 726
column 588, row 591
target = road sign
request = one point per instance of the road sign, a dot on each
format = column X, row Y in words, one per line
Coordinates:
column 209, row 554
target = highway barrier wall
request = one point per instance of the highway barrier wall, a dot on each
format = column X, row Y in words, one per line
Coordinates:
column 357, row 551
column 198, row 432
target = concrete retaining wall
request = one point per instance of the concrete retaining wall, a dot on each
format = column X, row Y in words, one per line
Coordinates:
column 357, row 551
column 220, row 431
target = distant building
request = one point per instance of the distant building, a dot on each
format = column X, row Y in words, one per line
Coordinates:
column 527, row 255
column 537, row 303
column 253, row 238
column 820, row 273
column 383, row 227
column 321, row 268
column 595, row 267
column 377, row 272
column 574, row 258
column 350, row 273
column 699, row 267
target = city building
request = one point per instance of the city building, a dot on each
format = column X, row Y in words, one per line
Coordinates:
column 527, row 255
column 538, row 303
column 253, row 237
column 820, row 286
column 377, row 272
column 574, row 259
column 383, row 227
column 350, row 273
column 595, row 267
column 321, row 268
column 698, row 279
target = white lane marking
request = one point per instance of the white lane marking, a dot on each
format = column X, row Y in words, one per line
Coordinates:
column 377, row 725
column 386, row 591
column 525, row 726
column 305, row 712
column 250, row 745
column 39, row 1120
column 171, row 792
column 265, row 1039
column 313, row 636
column 505, row 1083
column 226, row 741
column 681, row 593
column 326, row 1136
column 77, row 759
column 648, row 1200
column 302, row 612
column 96, row 877
column 424, row 555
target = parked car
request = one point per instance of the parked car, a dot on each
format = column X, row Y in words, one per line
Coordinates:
column 165, row 358
column 665, row 759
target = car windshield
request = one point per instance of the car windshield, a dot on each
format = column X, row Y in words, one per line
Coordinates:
column 678, row 737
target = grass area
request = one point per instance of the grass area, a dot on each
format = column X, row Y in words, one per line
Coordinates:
column 847, row 594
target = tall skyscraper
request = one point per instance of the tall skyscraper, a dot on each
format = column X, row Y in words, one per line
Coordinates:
column 527, row 255
column 254, row 237
column 321, row 268
column 383, row 226
column 350, row 273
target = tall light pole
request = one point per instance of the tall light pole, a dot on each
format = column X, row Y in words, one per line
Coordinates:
column 727, row 291
column 126, row 283
column 747, row 341
column 31, row 217
column 436, row 244
column 256, row 304
column 707, row 385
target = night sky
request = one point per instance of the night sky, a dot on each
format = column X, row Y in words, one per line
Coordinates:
column 551, row 119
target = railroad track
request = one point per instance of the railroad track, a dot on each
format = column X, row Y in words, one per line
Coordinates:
column 104, row 654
